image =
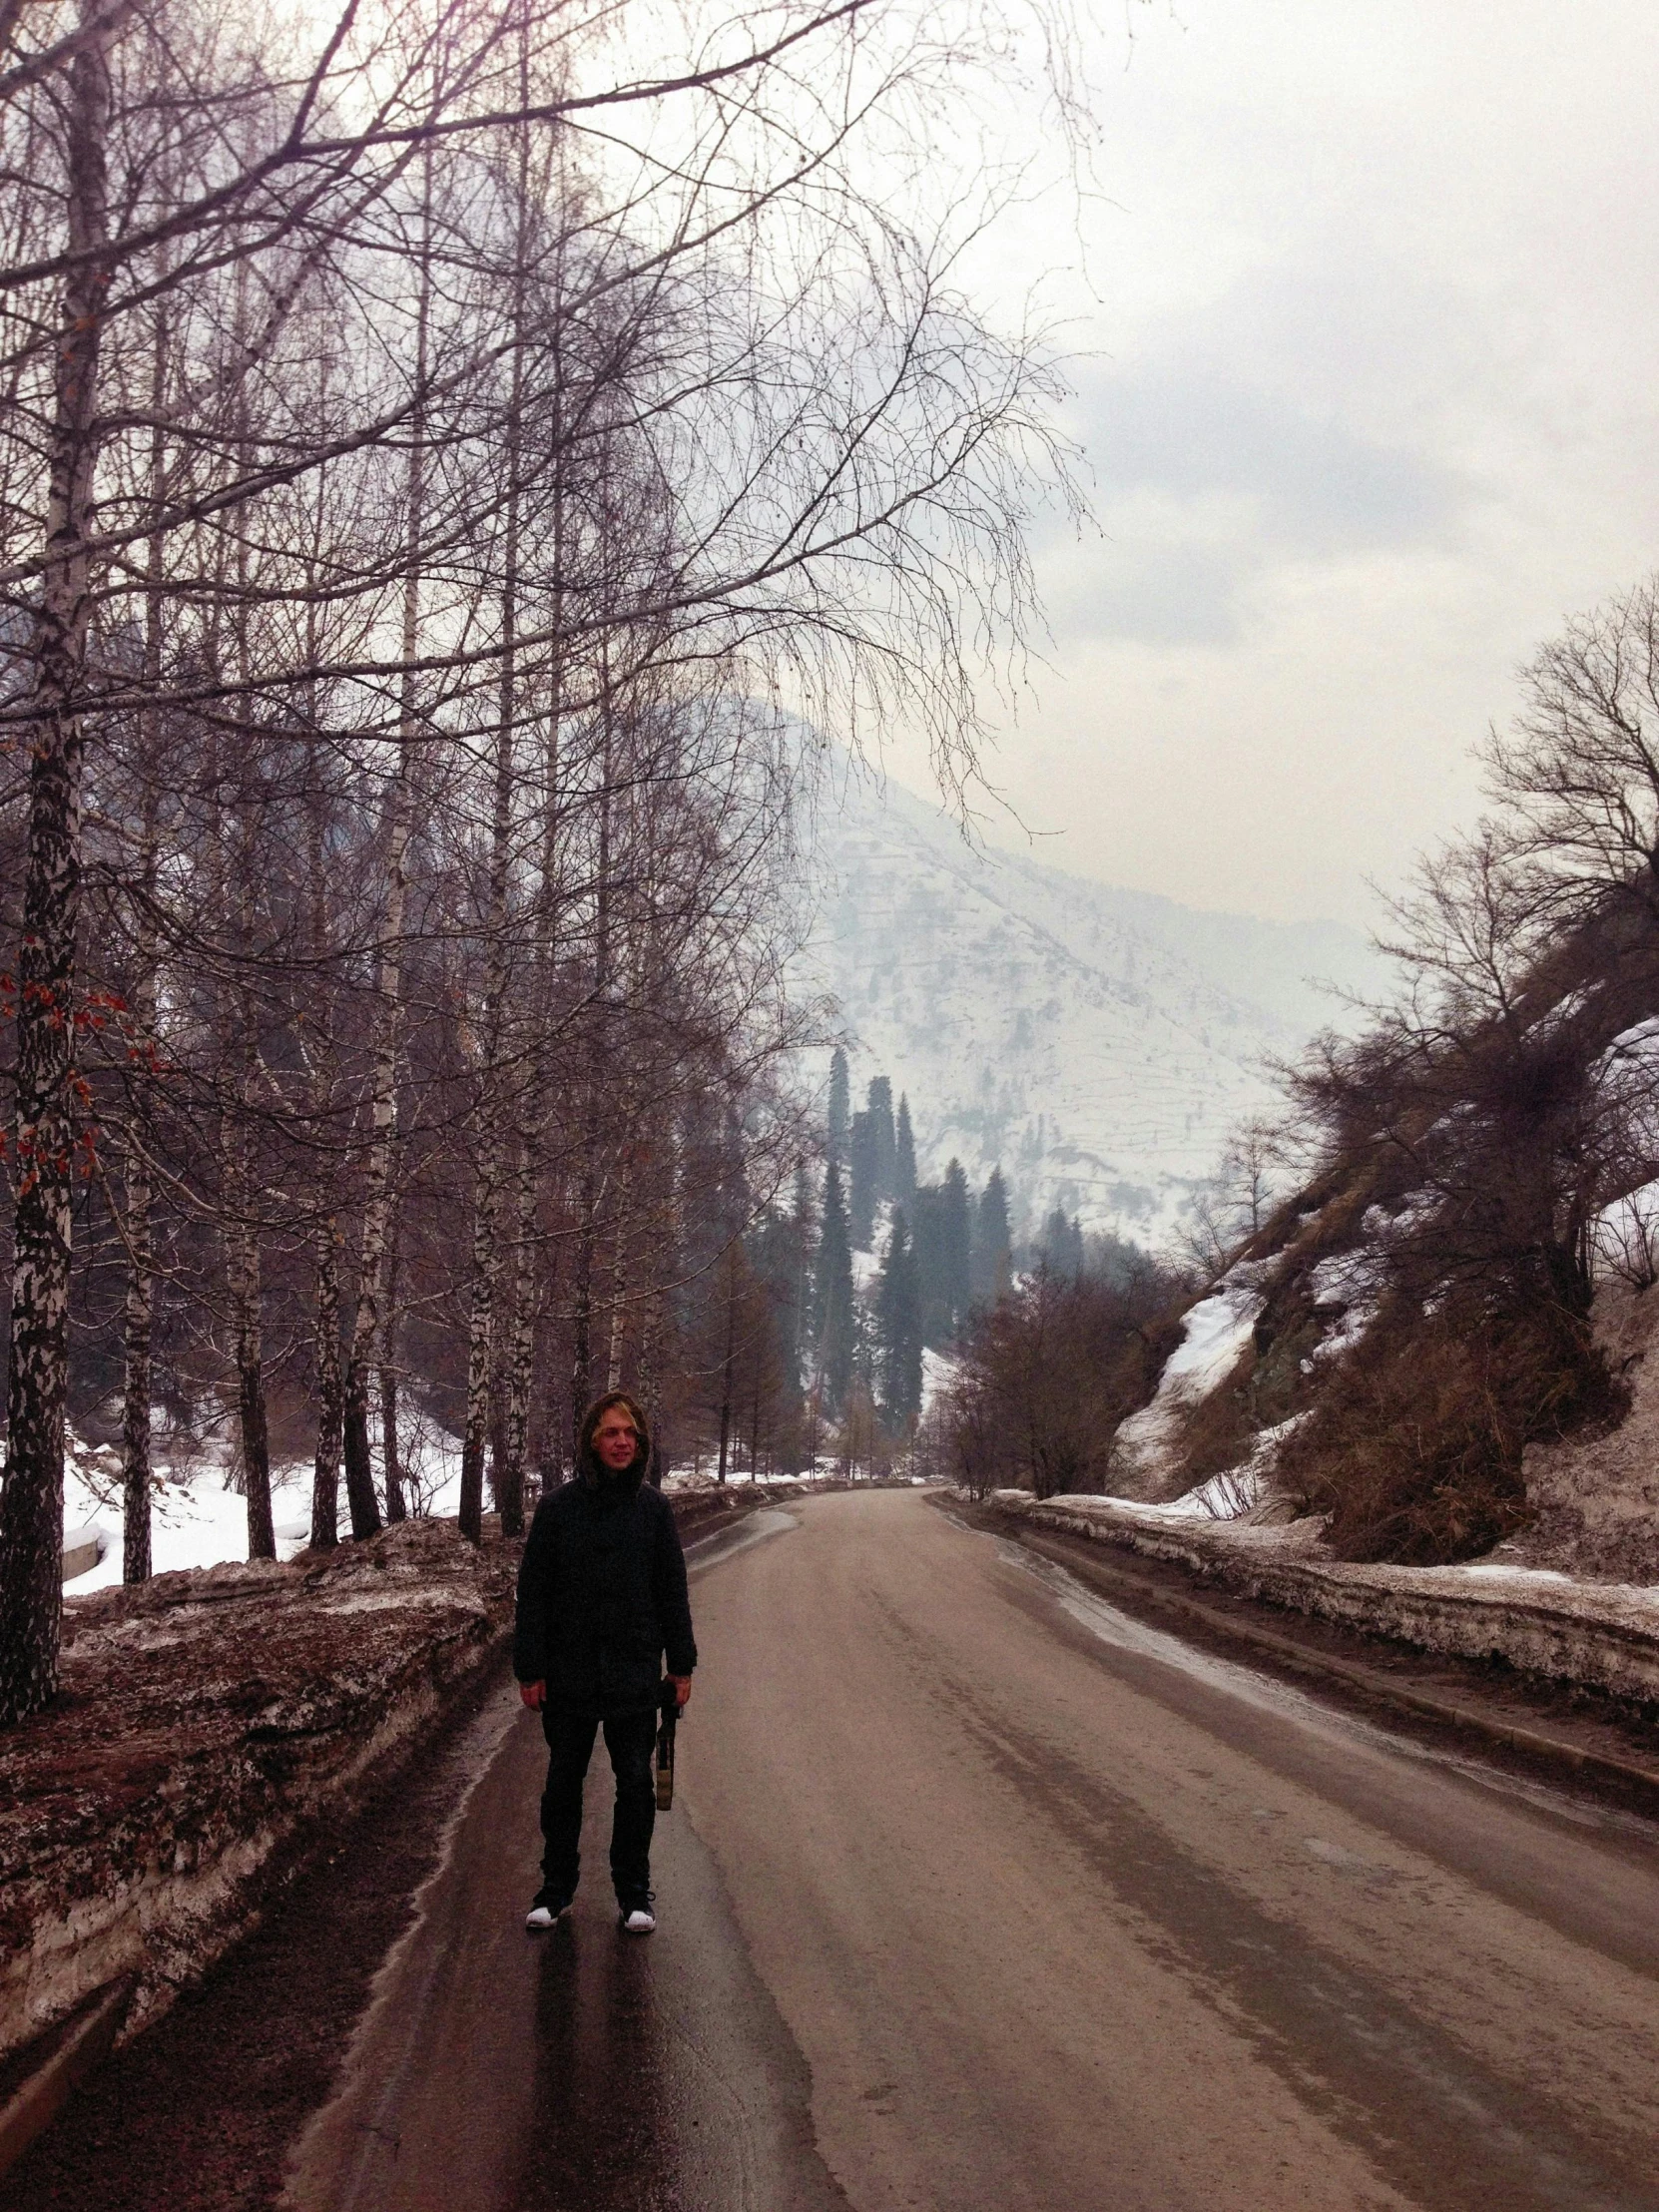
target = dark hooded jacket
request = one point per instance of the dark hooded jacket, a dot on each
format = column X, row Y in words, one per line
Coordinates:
column 602, row 1596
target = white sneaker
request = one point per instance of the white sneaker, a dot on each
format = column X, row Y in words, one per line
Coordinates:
column 548, row 1907
column 637, row 1919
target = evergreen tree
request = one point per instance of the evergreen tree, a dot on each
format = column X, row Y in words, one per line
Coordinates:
column 779, row 1249
column 1061, row 1249
column 840, row 1107
column 898, row 1330
column 905, row 1158
column 886, row 1143
column 804, row 1243
column 862, row 1148
column 990, row 1242
column 927, row 1243
column 833, row 1316
column 955, row 1251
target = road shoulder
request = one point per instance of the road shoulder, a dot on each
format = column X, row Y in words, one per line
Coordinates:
column 1606, row 1746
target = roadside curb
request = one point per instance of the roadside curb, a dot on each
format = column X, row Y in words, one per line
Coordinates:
column 67, row 2054
column 1510, row 1736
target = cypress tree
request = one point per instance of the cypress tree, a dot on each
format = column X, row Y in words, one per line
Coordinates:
column 1074, row 1249
column 862, row 1148
column 1052, row 1250
column 926, row 1216
column 990, row 1242
column 905, row 1158
column 880, row 1108
column 955, row 1251
column 832, row 1313
column 840, row 1107
column 898, row 1330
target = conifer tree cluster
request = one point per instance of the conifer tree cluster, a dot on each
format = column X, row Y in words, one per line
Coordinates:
column 824, row 1305
column 940, row 1249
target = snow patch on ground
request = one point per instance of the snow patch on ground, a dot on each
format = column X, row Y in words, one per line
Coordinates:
column 1216, row 1332
column 938, row 1372
column 196, row 1518
column 1225, row 1496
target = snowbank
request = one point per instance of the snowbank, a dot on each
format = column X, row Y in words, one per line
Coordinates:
column 1604, row 1636
column 1225, row 1496
column 198, row 1519
column 205, row 1720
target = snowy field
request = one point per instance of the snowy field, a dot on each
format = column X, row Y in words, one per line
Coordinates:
column 199, row 1519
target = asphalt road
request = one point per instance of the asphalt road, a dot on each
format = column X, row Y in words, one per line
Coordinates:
column 982, row 1896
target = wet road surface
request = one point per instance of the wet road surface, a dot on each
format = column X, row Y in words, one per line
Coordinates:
column 981, row 1896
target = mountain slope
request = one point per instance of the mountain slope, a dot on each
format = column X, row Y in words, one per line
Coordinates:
column 1091, row 1040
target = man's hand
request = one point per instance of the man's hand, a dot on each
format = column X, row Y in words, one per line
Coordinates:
column 682, row 1689
column 534, row 1694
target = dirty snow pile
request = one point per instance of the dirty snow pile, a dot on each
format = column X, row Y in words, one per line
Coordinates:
column 206, row 1716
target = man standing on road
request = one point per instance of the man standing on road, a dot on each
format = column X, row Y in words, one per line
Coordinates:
column 600, row 1598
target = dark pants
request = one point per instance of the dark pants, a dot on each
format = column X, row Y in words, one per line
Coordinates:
column 629, row 1740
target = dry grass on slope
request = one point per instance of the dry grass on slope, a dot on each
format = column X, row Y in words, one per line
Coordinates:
column 1414, row 1445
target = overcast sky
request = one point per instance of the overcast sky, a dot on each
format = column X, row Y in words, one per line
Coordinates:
column 1372, row 401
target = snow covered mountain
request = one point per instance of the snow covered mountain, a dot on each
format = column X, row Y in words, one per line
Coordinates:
column 1098, row 1043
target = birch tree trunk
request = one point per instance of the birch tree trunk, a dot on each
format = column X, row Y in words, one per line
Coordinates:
column 137, row 1326
column 386, row 1371
column 619, row 1269
column 581, row 1316
column 591, row 1035
column 331, row 1411
column 245, row 1282
column 371, row 1323
column 31, row 1511
column 730, row 1357
column 486, row 1268
column 487, row 1193
column 520, row 1335
column 648, row 1387
column 138, row 1317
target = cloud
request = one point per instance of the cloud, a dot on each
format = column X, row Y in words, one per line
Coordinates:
column 1205, row 483
column 1314, row 486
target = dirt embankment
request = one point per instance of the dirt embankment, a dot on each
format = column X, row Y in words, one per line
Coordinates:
column 1594, row 1498
column 204, row 1719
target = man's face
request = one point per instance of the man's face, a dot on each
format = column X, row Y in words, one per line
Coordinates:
column 616, row 1441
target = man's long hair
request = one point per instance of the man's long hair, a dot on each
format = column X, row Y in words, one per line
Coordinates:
column 588, row 1466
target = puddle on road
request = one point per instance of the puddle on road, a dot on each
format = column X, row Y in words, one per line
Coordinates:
column 1125, row 1633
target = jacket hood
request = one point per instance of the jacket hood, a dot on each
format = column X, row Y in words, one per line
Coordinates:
column 590, row 1470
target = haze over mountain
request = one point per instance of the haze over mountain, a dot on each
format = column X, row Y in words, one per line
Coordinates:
column 1099, row 1044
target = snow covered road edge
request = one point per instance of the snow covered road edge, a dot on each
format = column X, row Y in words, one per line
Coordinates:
column 209, row 1721
column 1599, row 1635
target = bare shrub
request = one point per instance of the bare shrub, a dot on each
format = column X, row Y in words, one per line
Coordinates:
column 1049, row 1372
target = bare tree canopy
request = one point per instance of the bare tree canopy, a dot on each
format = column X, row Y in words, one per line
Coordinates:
column 451, row 465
